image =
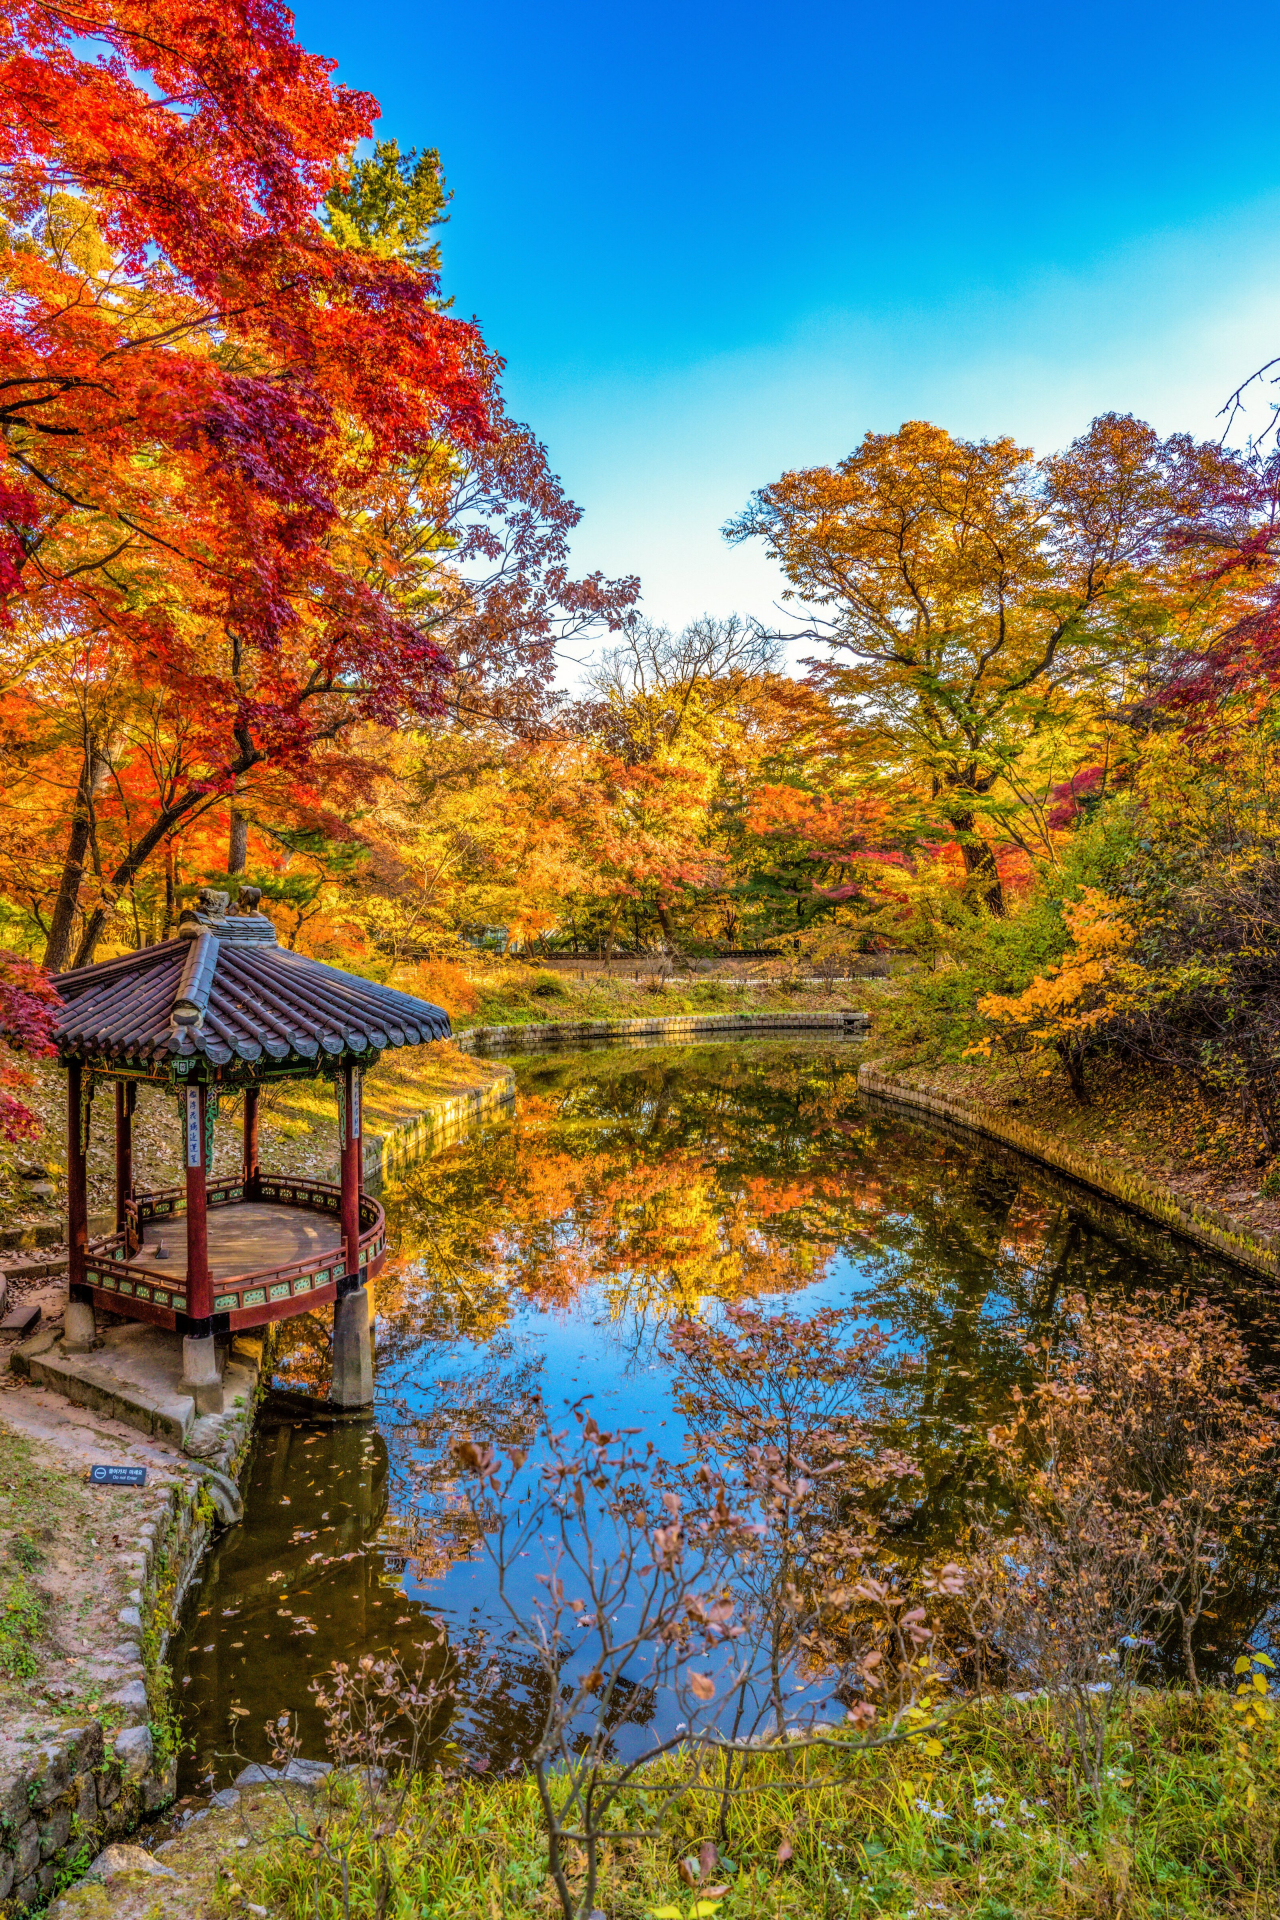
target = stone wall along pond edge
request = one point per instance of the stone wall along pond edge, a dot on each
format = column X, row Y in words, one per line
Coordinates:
column 680, row 1026
column 79, row 1788
column 1207, row 1227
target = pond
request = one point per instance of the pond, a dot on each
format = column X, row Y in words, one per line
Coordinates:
column 547, row 1258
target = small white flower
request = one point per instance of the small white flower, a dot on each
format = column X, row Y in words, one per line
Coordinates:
column 933, row 1813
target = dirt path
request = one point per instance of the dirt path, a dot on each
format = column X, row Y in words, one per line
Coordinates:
column 69, row 1560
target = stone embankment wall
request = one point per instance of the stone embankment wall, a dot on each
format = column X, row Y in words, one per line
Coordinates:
column 1207, row 1226
column 677, row 1026
column 76, row 1788
column 439, row 1125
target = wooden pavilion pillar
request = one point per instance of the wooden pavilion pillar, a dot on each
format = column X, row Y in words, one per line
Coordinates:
column 79, row 1326
column 251, row 1164
column 352, row 1340
column 201, row 1373
column 124, row 1152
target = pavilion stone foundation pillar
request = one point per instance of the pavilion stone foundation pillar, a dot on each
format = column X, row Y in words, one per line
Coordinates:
column 352, row 1332
column 79, row 1328
column 352, row 1351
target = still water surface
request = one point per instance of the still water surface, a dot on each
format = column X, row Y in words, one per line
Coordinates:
column 543, row 1259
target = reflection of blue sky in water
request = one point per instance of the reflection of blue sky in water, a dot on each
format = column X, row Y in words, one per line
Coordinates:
column 770, row 1182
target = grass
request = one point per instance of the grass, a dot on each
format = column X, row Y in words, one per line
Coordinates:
column 992, row 1830
column 509, row 993
column 59, row 1583
column 22, row 1616
column 30, row 1495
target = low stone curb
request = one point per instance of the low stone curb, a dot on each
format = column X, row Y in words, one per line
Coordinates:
column 543, row 1033
column 1207, row 1226
column 82, row 1787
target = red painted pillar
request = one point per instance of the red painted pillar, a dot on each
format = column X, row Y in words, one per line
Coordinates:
column 251, row 1168
column 199, row 1288
column 79, row 1329
column 124, row 1153
column 349, row 1113
column 77, row 1180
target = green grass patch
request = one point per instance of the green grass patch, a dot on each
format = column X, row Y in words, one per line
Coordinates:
column 22, row 1616
column 995, row 1827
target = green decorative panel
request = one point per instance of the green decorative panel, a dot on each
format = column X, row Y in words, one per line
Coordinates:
column 254, row 1297
column 280, row 1291
column 226, row 1302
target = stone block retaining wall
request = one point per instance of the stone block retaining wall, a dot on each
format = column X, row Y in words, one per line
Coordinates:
column 438, row 1126
column 76, row 1788
column 1208, row 1226
column 679, row 1026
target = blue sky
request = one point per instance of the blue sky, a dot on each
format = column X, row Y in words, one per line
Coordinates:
column 714, row 242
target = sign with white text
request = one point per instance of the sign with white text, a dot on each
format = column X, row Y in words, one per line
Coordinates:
column 117, row 1476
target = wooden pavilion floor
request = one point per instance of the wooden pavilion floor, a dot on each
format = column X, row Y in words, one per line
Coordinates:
column 245, row 1238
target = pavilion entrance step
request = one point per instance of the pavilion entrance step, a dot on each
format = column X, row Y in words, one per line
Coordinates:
column 135, row 1376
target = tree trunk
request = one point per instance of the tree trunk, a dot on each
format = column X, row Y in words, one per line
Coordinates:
column 982, row 875
column 93, row 774
column 238, row 844
column 1072, row 1058
column 170, row 889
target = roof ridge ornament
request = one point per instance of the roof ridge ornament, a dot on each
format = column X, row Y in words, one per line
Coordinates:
column 242, row 924
column 197, row 978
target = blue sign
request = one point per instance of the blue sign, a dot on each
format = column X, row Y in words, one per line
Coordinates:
column 118, row 1476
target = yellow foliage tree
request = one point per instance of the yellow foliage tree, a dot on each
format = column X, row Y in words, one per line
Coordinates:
column 1064, row 1008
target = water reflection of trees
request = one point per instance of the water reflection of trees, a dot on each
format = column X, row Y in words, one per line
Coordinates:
column 675, row 1181
column 667, row 1185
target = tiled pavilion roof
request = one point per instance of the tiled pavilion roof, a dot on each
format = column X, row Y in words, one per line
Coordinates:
column 225, row 990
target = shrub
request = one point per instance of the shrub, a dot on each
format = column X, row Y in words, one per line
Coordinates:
column 443, row 982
